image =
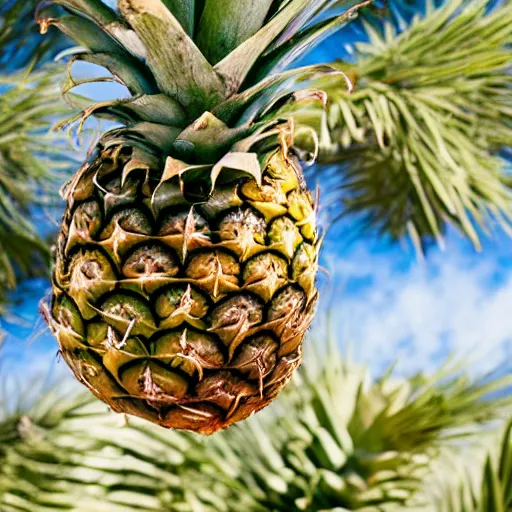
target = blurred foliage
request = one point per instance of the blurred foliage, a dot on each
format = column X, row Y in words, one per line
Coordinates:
column 31, row 157
column 334, row 441
column 30, row 161
column 482, row 485
column 20, row 41
column 419, row 142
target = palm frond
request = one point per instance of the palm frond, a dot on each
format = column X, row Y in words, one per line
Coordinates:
column 418, row 145
column 67, row 452
column 484, row 485
column 32, row 164
column 335, row 440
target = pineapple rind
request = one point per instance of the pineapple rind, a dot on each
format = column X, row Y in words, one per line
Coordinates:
column 190, row 314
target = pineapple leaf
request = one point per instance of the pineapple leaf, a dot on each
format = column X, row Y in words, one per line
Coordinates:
column 136, row 78
column 96, row 10
column 157, row 108
column 278, row 59
column 226, row 24
column 190, row 78
column 235, row 67
column 266, row 92
column 105, row 18
column 160, row 136
column 185, row 12
column 301, row 20
column 85, row 32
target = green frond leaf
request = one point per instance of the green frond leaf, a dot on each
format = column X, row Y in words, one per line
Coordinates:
column 235, row 67
column 185, row 12
column 225, row 25
column 32, row 163
column 418, row 142
column 190, row 79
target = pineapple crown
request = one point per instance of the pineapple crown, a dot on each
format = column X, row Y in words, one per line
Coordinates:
column 203, row 74
column 209, row 79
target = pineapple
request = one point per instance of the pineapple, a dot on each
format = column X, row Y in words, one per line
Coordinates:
column 185, row 267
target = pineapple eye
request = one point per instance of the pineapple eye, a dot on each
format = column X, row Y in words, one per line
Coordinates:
column 177, row 223
column 265, row 274
column 130, row 220
column 148, row 260
column 179, row 304
column 243, row 224
column 188, row 350
column 90, row 269
column 215, row 272
column 243, row 232
column 256, row 357
column 288, row 302
column 233, row 320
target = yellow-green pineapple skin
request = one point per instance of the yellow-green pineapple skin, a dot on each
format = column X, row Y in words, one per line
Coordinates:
column 190, row 315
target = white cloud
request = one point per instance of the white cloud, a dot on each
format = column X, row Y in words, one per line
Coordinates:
column 388, row 307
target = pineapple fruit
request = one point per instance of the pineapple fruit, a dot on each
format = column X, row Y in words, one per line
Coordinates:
column 185, row 267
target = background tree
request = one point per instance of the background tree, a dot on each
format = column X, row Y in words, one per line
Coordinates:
column 31, row 158
column 421, row 142
column 336, row 440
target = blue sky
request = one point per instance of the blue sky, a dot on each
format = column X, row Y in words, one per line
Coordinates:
column 385, row 305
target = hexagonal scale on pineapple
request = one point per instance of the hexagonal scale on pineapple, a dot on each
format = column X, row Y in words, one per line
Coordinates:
column 131, row 220
column 120, row 353
column 214, row 271
column 300, row 207
column 67, row 323
column 225, row 390
column 153, row 383
column 269, row 199
column 125, row 229
column 128, row 314
column 188, row 350
column 234, row 319
column 284, row 236
column 149, row 267
column 90, row 276
column 256, row 358
column 85, row 224
column 179, row 304
column 243, row 232
column 184, row 231
column 281, row 169
column 304, row 268
column 286, row 318
column 265, row 274
column 282, row 373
